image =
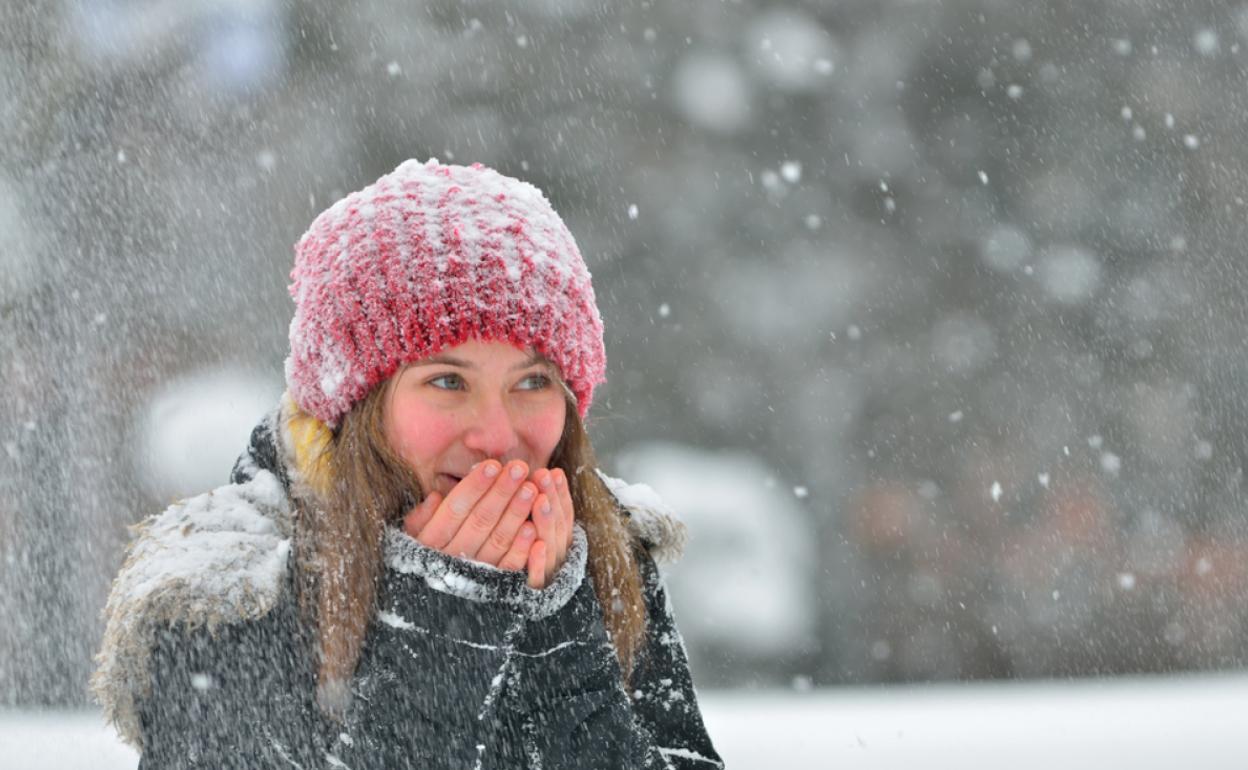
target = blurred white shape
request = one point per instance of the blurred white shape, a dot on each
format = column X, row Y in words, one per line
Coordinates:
column 632, row 211
column 788, row 47
column 1005, row 248
column 712, row 92
column 230, row 45
column 963, row 343
column 1191, row 141
column 1206, row 42
column 1014, row 91
column 1070, row 274
column 266, row 160
column 196, row 426
column 241, row 52
column 746, row 581
column 1122, row 47
column 1022, row 50
column 1126, row 581
column 983, row 177
column 19, row 247
column 995, row 491
column 1111, row 463
column 791, row 170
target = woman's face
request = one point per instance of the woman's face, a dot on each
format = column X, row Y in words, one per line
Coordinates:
column 470, row 403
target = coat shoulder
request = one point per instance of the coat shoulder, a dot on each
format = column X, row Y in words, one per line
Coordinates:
column 649, row 519
column 217, row 558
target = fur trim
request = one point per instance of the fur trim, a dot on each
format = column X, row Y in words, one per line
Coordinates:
column 483, row 583
column 220, row 557
column 649, row 519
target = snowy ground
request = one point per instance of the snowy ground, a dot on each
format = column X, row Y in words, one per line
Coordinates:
column 1137, row 723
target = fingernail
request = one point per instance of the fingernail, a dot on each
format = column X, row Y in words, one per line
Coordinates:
column 526, row 492
column 517, row 472
column 546, row 480
column 546, row 507
column 491, row 470
column 559, row 477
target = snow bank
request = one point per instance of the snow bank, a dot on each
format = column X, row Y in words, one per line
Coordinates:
column 1144, row 724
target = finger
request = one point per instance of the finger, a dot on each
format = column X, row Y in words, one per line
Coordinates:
column 558, row 547
column 450, row 515
column 487, row 512
column 545, row 513
column 544, row 518
column 566, row 508
column 537, row 565
column 517, row 557
column 421, row 513
column 499, row 543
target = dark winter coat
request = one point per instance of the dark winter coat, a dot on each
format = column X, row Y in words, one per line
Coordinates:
column 206, row 664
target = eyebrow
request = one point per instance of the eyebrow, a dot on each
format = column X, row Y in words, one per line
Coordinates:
column 533, row 360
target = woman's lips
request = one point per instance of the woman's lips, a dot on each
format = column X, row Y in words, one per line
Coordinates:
column 446, row 482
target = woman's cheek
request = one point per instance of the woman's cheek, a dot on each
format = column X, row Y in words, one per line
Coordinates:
column 545, row 430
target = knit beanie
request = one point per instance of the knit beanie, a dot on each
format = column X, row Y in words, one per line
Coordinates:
column 425, row 258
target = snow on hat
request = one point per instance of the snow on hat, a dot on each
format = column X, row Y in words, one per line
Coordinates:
column 425, row 258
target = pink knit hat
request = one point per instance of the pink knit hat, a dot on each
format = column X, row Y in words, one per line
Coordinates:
column 423, row 259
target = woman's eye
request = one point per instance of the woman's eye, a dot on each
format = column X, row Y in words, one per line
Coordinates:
column 448, row 382
column 534, row 382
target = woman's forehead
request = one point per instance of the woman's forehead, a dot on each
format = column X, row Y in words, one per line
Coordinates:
column 474, row 354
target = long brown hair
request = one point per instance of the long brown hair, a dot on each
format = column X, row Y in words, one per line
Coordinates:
column 353, row 484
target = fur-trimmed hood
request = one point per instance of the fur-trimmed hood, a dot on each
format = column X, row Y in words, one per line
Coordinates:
column 224, row 557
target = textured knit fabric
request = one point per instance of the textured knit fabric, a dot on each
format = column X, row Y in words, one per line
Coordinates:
column 463, row 666
column 423, row 259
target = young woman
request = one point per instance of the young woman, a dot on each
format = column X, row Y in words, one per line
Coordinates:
column 417, row 563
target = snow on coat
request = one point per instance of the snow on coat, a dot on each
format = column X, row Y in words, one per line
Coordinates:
column 205, row 662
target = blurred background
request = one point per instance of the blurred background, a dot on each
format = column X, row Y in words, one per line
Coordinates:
column 927, row 316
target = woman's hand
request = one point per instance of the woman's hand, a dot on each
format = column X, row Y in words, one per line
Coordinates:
column 553, row 516
column 495, row 516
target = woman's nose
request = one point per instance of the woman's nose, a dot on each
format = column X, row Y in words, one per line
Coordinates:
column 492, row 429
